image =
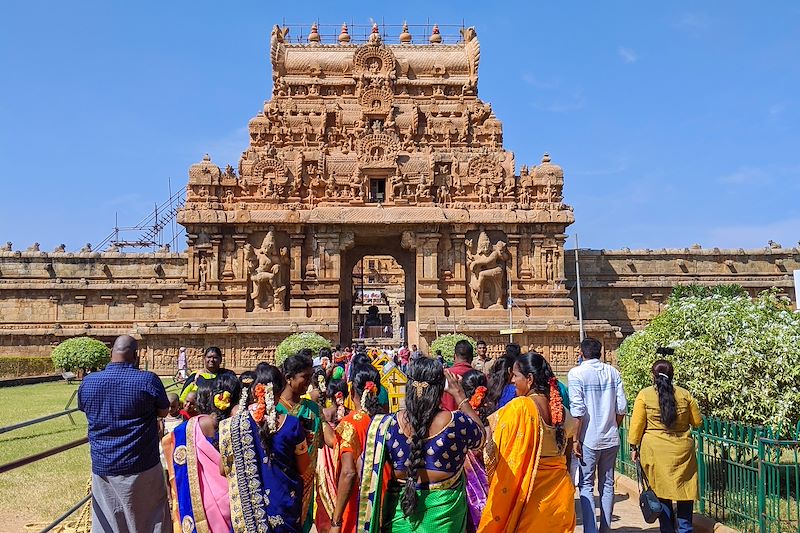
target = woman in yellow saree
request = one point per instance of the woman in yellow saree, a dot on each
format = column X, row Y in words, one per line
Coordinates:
column 529, row 484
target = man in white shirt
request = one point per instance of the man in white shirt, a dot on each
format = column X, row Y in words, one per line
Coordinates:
column 597, row 401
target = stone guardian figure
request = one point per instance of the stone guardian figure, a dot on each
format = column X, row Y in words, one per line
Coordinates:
column 486, row 265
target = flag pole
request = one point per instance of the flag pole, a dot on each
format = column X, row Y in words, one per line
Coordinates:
column 578, row 278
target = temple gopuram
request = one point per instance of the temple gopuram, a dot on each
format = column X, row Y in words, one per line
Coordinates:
column 364, row 150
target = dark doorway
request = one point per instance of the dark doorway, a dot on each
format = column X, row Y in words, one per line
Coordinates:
column 350, row 282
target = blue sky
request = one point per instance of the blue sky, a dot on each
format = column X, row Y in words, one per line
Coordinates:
column 676, row 122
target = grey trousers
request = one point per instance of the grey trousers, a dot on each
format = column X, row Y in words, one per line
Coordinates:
column 135, row 503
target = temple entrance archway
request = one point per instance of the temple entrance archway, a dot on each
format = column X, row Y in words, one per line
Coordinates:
column 378, row 246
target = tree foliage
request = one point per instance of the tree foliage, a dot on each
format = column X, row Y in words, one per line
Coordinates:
column 738, row 356
column 296, row 342
column 447, row 344
column 81, row 354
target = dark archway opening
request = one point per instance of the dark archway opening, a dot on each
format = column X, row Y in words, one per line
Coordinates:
column 351, row 295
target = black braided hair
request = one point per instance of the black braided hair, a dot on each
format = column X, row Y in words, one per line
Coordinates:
column 265, row 375
column 362, row 375
column 470, row 381
column 662, row 380
column 533, row 364
column 420, row 411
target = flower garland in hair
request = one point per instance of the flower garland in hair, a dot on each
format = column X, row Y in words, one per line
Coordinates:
column 477, row 397
column 339, row 398
column 369, row 388
column 556, row 405
column 269, row 405
column 222, row 400
column 243, row 401
column 261, row 407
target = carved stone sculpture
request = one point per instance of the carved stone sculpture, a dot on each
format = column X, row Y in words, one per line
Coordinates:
column 202, row 273
column 486, row 266
column 268, row 273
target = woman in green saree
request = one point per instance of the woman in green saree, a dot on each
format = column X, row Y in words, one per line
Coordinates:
column 425, row 448
column 298, row 370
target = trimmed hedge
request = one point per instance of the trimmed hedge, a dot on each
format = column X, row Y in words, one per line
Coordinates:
column 81, row 354
column 738, row 356
column 447, row 344
column 18, row 367
column 296, row 342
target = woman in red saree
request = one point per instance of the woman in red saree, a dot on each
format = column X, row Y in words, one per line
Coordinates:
column 351, row 433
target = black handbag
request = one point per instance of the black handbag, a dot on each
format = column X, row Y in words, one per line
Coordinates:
column 648, row 501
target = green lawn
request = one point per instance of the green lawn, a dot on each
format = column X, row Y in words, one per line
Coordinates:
column 40, row 492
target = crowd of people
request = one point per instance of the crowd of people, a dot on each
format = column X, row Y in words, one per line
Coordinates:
column 488, row 444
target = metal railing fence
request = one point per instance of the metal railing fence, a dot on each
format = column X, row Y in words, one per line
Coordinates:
column 748, row 479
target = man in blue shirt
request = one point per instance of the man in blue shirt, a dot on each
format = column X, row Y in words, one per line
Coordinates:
column 122, row 405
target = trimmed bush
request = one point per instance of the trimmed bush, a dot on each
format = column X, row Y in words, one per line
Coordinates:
column 447, row 344
column 81, row 354
column 738, row 356
column 18, row 367
column 297, row 341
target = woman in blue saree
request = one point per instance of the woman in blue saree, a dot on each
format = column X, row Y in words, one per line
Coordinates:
column 426, row 449
column 264, row 456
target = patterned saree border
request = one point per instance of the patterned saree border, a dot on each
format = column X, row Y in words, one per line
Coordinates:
column 168, row 445
column 371, row 482
column 200, row 521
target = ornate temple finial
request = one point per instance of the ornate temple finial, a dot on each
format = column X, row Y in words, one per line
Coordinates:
column 546, row 158
column 206, row 157
column 313, row 37
column 405, row 37
column 61, row 248
column 344, row 37
column 375, row 36
column 436, row 37
column 8, row 247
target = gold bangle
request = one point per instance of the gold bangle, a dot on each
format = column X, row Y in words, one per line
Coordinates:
column 462, row 402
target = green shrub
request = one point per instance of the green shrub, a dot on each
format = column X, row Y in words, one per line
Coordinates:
column 81, row 354
column 17, row 367
column 447, row 344
column 738, row 356
column 296, row 342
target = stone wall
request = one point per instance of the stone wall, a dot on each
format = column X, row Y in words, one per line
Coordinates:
column 47, row 297
column 629, row 287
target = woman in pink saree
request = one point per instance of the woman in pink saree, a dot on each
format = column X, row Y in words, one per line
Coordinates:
column 199, row 493
column 475, row 383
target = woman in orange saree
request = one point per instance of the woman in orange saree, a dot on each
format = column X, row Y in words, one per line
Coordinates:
column 529, row 484
column 351, row 434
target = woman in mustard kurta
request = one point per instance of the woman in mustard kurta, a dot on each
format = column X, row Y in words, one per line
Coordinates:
column 529, row 485
column 660, row 434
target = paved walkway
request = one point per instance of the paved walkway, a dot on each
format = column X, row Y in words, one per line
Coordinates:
column 627, row 517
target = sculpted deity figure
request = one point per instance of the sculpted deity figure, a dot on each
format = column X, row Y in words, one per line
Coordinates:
column 268, row 272
column 330, row 186
column 398, row 185
column 357, row 185
column 202, row 273
column 486, row 267
column 422, row 187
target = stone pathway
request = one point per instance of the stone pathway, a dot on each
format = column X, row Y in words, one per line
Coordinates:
column 627, row 517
